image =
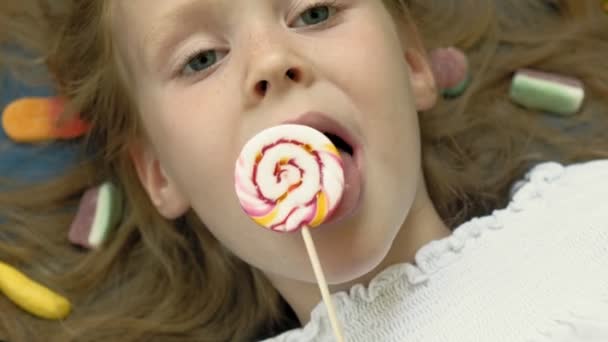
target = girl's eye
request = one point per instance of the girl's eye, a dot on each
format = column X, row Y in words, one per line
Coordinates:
column 200, row 62
column 315, row 15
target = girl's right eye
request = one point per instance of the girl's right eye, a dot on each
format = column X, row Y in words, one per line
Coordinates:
column 201, row 61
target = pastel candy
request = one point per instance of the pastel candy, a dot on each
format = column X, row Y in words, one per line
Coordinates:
column 99, row 212
column 289, row 177
column 547, row 92
column 451, row 70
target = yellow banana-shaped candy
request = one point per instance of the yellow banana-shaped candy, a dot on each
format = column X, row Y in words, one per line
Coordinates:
column 31, row 296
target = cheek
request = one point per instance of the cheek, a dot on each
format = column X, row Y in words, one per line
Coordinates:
column 375, row 74
column 195, row 114
column 383, row 92
column 194, row 135
column 197, row 141
column 372, row 68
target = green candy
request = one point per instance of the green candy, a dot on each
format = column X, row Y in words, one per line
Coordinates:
column 547, row 92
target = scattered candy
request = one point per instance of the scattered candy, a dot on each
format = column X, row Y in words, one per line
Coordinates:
column 451, row 70
column 37, row 119
column 290, row 178
column 31, row 296
column 547, row 92
column 99, row 212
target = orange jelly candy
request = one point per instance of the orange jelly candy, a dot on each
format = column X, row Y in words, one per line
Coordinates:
column 36, row 119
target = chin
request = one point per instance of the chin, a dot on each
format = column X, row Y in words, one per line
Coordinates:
column 356, row 247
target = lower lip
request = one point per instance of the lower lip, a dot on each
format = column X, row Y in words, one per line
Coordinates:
column 353, row 184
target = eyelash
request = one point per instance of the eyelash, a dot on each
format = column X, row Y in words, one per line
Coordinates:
column 334, row 4
column 322, row 3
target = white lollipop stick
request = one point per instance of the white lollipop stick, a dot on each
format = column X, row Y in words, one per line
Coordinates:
column 316, row 266
column 290, row 178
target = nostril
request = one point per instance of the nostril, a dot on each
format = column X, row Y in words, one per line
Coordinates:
column 292, row 74
column 262, row 87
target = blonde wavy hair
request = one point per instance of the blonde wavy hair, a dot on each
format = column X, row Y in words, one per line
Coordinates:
column 157, row 280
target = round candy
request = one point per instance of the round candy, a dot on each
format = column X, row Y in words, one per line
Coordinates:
column 289, row 177
column 451, row 70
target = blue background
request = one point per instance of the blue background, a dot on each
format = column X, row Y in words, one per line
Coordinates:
column 24, row 161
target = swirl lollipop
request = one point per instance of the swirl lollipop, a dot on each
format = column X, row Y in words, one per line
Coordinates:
column 290, row 178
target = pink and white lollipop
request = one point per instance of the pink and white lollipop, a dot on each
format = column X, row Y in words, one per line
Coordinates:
column 290, row 178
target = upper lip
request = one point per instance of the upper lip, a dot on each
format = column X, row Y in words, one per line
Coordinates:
column 325, row 124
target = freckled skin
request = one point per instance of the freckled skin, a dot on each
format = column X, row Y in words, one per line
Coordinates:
column 353, row 68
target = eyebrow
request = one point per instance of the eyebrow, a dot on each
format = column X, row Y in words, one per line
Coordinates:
column 172, row 27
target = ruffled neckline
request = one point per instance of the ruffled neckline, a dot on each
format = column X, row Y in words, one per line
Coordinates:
column 437, row 254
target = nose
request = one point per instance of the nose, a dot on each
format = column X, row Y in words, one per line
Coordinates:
column 274, row 70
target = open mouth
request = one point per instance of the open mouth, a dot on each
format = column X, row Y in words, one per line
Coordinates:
column 339, row 135
column 352, row 158
column 340, row 143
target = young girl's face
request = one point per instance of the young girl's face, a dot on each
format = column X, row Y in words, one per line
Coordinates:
column 208, row 75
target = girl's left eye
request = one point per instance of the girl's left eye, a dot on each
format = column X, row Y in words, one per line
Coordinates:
column 316, row 14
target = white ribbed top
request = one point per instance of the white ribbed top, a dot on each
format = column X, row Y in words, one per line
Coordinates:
column 534, row 271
